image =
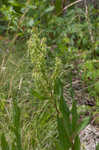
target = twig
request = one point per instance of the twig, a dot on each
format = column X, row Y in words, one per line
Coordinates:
column 72, row 4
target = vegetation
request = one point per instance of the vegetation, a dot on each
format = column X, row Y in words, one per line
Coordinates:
column 46, row 48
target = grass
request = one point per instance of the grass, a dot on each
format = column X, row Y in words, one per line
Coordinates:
column 38, row 121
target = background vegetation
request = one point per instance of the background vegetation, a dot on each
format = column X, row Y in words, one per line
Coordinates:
column 49, row 71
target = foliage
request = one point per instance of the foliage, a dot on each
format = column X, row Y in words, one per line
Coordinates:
column 21, row 17
column 69, row 126
column 57, row 40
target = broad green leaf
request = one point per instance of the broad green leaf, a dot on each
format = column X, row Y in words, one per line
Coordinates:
column 59, row 146
column 64, row 139
column 58, row 88
column 83, row 124
column 76, row 145
column 74, row 116
column 66, row 115
column 63, row 107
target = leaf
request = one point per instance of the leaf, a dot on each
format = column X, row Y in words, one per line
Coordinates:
column 13, row 146
column 74, row 116
column 39, row 95
column 96, row 87
column 14, row 3
column 59, row 147
column 76, row 145
column 49, row 9
column 4, row 143
column 58, row 6
column 66, row 115
column 33, row 143
column 83, row 124
column 16, row 125
column 63, row 137
column 97, row 146
column 30, row 22
column 16, row 115
column 58, row 89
